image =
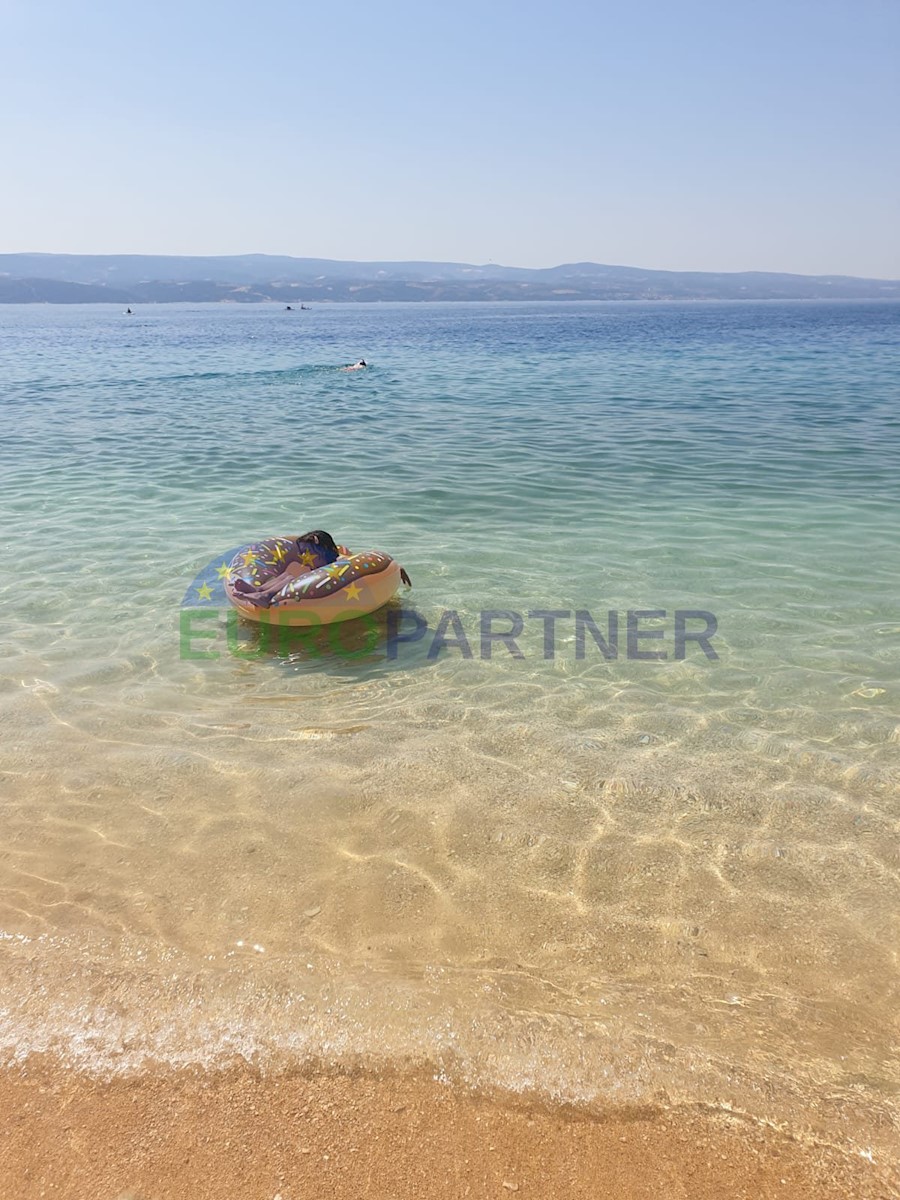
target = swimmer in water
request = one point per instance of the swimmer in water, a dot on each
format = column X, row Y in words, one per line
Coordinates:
column 357, row 366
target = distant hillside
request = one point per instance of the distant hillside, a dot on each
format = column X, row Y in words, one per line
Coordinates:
column 248, row 278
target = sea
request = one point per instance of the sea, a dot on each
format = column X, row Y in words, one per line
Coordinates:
column 603, row 810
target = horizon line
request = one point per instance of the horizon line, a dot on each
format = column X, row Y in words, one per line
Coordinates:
column 585, row 262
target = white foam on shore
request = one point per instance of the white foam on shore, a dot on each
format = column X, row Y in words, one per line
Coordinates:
column 110, row 1009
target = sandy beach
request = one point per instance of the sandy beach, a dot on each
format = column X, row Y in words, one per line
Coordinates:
column 242, row 1136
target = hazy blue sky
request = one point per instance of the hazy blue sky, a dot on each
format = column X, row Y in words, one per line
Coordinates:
column 708, row 134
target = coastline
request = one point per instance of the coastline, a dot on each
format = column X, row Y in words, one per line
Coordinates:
column 242, row 1134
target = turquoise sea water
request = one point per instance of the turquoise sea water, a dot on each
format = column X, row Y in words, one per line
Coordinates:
column 604, row 880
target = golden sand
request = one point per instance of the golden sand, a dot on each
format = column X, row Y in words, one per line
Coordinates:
column 237, row 1135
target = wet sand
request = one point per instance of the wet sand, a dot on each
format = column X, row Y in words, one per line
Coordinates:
column 239, row 1135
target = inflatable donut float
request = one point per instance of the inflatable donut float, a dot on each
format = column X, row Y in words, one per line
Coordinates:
column 321, row 592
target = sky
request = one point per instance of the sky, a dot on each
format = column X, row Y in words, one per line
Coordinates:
column 711, row 135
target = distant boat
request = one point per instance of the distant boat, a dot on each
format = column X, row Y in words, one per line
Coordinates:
column 304, row 308
column 128, row 312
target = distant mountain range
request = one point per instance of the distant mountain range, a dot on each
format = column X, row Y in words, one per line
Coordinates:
column 248, row 278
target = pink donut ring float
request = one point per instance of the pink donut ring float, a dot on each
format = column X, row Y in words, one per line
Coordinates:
column 319, row 592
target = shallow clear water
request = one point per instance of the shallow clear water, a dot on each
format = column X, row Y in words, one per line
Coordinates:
column 604, row 879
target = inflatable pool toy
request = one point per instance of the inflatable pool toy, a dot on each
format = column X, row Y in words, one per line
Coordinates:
column 321, row 592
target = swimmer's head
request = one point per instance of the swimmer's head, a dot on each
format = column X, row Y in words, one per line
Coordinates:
column 325, row 542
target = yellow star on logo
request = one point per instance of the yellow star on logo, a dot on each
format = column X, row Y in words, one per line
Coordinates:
column 222, row 570
column 352, row 591
column 204, row 592
column 307, row 558
column 249, row 558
